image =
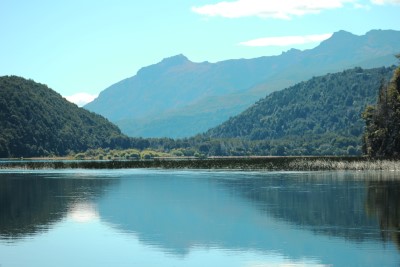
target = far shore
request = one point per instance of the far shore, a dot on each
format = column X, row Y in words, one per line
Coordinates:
column 269, row 163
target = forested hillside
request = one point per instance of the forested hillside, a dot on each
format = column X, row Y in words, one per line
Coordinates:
column 317, row 117
column 36, row 121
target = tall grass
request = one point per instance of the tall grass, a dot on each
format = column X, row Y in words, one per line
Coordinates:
column 340, row 164
column 259, row 163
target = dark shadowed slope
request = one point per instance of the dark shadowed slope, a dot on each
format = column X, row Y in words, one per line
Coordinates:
column 36, row 121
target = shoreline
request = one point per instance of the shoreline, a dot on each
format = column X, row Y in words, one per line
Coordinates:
column 291, row 163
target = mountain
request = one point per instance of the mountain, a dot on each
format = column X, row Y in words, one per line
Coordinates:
column 37, row 121
column 321, row 116
column 180, row 98
column 173, row 83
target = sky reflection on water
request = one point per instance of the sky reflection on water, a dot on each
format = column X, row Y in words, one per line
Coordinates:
column 185, row 218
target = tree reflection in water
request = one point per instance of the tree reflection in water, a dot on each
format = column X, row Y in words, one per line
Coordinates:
column 32, row 203
column 383, row 202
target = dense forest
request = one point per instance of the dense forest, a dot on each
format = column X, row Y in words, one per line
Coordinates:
column 36, row 121
column 321, row 116
column 382, row 138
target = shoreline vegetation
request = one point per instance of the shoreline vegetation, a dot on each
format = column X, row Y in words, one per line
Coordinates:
column 212, row 163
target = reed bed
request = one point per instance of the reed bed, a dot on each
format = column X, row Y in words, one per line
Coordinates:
column 345, row 164
column 244, row 163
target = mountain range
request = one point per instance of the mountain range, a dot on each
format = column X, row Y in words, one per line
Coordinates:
column 179, row 98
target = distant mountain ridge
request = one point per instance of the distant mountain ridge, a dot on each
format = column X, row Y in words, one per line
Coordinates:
column 180, row 98
column 172, row 83
column 37, row 121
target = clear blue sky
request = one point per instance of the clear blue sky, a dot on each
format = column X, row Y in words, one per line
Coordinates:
column 85, row 46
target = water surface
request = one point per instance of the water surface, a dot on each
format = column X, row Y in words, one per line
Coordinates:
column 198, row 218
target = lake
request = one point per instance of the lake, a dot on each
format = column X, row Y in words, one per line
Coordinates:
column 145, row 217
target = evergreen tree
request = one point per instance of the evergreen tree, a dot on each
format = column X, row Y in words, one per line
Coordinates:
column 382, row 133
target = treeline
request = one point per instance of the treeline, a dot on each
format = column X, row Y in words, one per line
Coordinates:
column 201, row 146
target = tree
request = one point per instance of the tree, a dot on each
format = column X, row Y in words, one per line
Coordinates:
column 382, row 133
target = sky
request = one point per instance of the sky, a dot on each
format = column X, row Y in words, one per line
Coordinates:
column 80, row 47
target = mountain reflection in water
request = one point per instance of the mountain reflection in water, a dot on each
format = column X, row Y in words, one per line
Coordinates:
column 238, row 212
column 298, row 215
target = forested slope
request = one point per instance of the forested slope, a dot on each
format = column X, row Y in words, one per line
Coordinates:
column 320, row 116
column 37, row 121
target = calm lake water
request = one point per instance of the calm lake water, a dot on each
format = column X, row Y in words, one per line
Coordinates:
column 198, row 218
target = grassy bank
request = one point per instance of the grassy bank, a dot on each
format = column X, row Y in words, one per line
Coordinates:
column 247, row 163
